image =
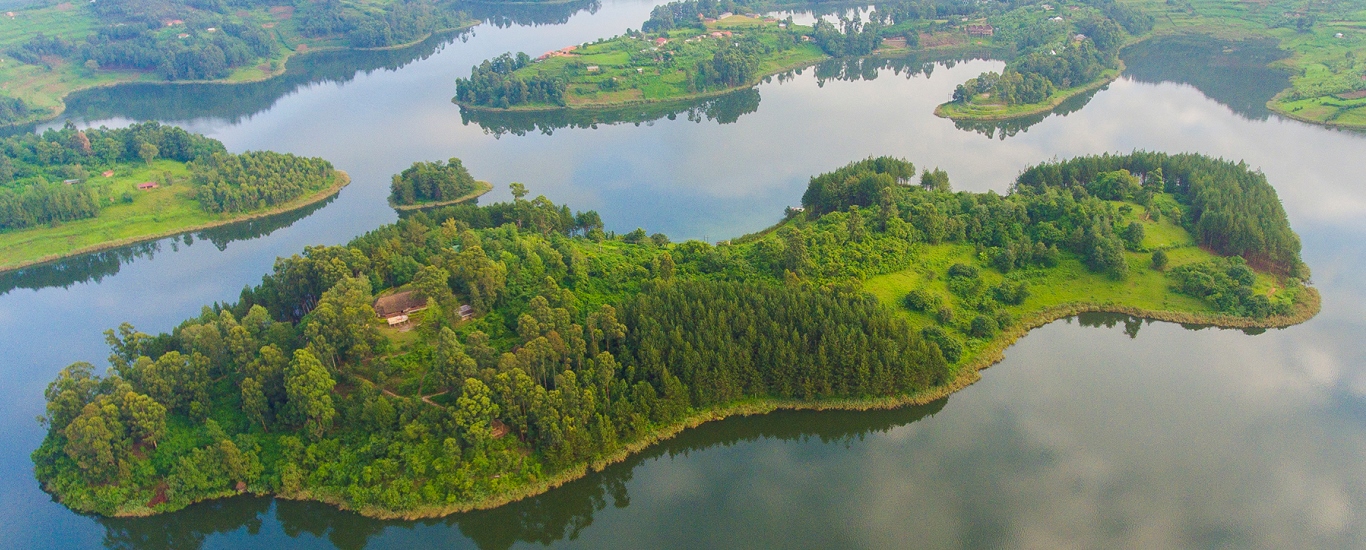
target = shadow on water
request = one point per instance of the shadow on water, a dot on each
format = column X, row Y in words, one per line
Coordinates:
column 95, row 266
column 558, row 515
column 528, row 14
column 1232, row 72
column 722, row 109
column 1132, row 324
column 233, row 102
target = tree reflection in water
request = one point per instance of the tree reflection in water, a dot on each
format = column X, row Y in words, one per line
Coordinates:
column 560, row 514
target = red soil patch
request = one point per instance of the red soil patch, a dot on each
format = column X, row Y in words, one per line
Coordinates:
column 268, row 25
column 64, row 6
column 282, row 13
column 301, row 48
column 159, row 497
column 1353, row 95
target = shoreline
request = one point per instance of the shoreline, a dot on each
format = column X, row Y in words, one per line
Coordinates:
column 342, row 179
column 968, row 373
column 942, row 111
column 284, row 68
column 483, row 188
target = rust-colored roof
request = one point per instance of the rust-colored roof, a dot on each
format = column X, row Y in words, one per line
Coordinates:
column 399, row 304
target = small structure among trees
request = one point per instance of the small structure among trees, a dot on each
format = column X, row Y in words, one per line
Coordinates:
column 395, row 308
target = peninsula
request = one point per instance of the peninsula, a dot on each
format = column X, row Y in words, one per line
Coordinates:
column 1062, row 50
column 468, row 356
column 68, row 191
column 49, row 50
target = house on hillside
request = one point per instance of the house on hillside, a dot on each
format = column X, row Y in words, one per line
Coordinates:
column 395, row 308
column 981, row 30
column 466, row 312
column 147, row 186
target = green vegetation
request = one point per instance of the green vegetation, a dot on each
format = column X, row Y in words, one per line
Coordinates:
column 1326, row 41
column 579, row 347
column 669, row 65
column 426, row 184
column 52, row 50
column 67, row 191
column 1062, row 50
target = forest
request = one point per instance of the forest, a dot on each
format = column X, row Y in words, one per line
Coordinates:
column 546, row 343
column 431, row 182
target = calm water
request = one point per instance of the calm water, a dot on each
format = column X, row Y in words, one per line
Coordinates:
column 1097, row 432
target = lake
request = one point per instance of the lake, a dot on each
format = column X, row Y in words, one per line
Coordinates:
column 1098, row 431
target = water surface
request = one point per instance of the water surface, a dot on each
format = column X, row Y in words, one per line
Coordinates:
column 1100, row 432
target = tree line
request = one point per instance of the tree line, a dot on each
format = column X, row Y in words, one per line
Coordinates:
column 256, row 179
column 492, row 83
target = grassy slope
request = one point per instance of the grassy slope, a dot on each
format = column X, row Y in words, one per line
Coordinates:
column 1068, row 286
column 1322, row 65
column 653, row 83
column 44, row 89
column 152, row 214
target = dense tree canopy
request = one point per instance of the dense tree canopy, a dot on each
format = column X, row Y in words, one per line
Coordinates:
column 431, row 182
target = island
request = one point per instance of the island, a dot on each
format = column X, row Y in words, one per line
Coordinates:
column 69, row 191
column 432, row 184
column 1061, row 50
column 51, row 49
column 711, row 58
column 467, row 356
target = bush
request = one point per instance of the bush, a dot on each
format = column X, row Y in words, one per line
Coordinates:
column 949, row 346
column 1011, row 293
column 1160, row 260
column 982, row 327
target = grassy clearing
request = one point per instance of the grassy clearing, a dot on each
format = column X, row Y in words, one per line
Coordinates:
column 1069, row 285
column 134, row 215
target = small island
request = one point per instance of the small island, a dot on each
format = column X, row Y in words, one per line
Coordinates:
column 1062, row 50
column 468, row 356
column 68, row 191
column 713, row 57
column 55, row 48
column 433, row 184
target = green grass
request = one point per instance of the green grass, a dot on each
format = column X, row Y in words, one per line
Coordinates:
column 1068, row 283
column 149, row 214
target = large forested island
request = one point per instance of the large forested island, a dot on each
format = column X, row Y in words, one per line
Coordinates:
column 468, row 356
column 68, row 191
column 51, row 49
